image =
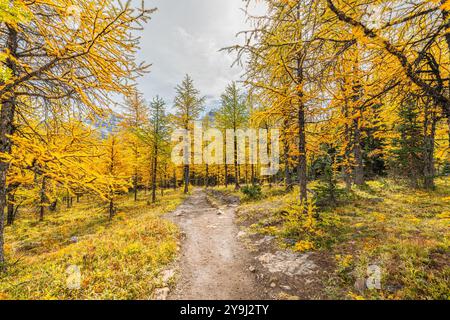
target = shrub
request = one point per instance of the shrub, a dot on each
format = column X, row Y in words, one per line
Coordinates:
column 252, row 192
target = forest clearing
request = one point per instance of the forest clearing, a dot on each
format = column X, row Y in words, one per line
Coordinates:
column 305, row 158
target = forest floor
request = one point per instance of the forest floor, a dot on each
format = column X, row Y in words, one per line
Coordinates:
column 122, row 259
column 400, row 231
column 234, row 247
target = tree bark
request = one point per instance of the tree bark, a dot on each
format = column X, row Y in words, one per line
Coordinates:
column 302, row 157
column 111, row 207
column 287, row 171
column 10, row 210
column 253, row 175
column 302, row 164
column 358, row 172
column 237, row 185
column 155, row 169
column 68, row 203
column 7, row 115
column 135, row 189
column 429, row 146
column 446, row 17
column 43, row 199
column 186, row 178
column 246, row 174
column 347, row 152
column 175, row 179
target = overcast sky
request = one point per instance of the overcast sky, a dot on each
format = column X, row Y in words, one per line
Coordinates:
column 185, row 36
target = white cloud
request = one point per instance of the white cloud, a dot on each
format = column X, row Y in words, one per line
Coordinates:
column 185, row 36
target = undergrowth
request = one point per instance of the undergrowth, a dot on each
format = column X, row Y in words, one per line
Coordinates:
column 118, row 259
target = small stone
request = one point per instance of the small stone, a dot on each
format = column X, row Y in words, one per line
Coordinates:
column 290, row 242
column 287, row 288
column 74, row 240
column 288, row 263
column 167, row 275
column 266, row 240
column 162, row 294
column 241, row 234
column 252, row 269
column 220, row 213
column 393, row 288
column 273, row 285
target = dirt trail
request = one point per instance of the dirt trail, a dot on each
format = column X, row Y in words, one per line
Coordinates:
column 213, row 263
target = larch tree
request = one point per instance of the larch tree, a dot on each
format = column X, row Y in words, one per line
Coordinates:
column 282, row 66
column 46, row 57
column 207, row 124
column 159, row 139
column 422, row 56
column 233, row 115
column 114, row 179
column 135, row 118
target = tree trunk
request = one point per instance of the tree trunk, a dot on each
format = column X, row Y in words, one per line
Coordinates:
column 207, row 177
column 302, row 165
column 7, row 114
column 253, row 175
column 111, row 207
column 68, row 199
column 135, row 185
column 287, row 174
column 43, row 199
column 155, row 169
column 246, row 174
column 237, row 185
column 358, row 172
column 226, row 176
column 186, row 178
column 429, row 170
column 10, row 210
column 175, row 179
column 446, row 16
column 269, row 177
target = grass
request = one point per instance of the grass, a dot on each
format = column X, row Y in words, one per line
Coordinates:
column 404, row 232
column 119, row 259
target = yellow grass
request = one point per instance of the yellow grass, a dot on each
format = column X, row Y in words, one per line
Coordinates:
column 403, row 231
column 120, row 259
